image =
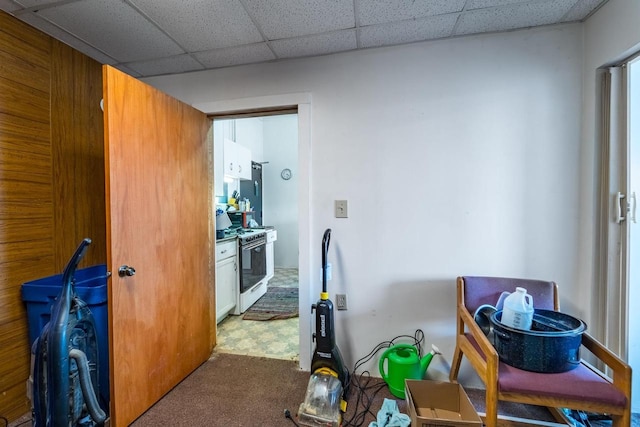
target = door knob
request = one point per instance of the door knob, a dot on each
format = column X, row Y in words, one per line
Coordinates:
column 125, row 271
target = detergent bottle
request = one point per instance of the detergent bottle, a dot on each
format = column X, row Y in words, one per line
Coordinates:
column 517, row 310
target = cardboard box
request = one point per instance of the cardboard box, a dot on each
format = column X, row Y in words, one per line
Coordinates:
column 438, row 403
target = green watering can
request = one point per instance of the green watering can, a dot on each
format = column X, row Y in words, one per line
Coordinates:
column 403, row 363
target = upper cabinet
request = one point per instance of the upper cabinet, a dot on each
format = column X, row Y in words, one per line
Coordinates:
column 237, row 160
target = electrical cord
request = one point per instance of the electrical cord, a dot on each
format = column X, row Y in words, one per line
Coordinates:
column 287, row 414
column 368, row 387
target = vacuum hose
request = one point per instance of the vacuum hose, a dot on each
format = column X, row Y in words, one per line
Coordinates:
column 88, row 393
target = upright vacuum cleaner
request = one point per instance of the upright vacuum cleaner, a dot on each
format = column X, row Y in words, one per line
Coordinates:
column 328, row 387
column 65, row 360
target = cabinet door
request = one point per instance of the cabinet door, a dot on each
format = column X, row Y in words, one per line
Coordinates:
column 226, row 286
column 157, row 169
column 230, row 161
column 243, row 159
column 270, row 264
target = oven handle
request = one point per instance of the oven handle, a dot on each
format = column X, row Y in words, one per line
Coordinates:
column 253, row 245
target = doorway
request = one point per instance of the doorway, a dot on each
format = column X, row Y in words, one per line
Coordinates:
column 272, row 141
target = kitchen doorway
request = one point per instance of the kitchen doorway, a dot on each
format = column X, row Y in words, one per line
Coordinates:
column 272, row 140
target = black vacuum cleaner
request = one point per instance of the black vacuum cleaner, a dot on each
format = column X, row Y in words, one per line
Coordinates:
column 65, row 360
column 326, row 396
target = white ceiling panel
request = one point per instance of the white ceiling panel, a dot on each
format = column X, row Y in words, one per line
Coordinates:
column 246, row 54
column 379, row 11
column 60, row 34
column 481, row 4
column 114, row 28
column 172, row 65
column 281, row 19
column 513, row 16
column 406, row 32
column 152, row 37
column 581, row 10
column 8, row 6
column 42, row 3
column 202, row 24
column 321, row 44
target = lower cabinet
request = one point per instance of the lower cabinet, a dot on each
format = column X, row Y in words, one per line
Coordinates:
column 227, row 279
column 272, row 236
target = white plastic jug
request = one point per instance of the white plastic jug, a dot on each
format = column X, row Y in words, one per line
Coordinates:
column 517, row 311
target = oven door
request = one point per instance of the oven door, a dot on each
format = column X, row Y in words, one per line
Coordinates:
column 253, row 265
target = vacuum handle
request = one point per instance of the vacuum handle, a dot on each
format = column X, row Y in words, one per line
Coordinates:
column 326, row 238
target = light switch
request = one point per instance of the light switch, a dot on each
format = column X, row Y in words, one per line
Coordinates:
column 341, row 209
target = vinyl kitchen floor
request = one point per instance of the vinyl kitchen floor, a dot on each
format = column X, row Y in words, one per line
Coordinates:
column 276, row 339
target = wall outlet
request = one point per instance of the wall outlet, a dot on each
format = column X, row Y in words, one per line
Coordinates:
column 341, row 301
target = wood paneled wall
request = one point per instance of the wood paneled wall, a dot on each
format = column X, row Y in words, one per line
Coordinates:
column 51, row 180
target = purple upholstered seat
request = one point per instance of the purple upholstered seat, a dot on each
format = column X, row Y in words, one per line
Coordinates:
column 580, row 384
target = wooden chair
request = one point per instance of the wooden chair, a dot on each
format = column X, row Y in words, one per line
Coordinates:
column 583, row 388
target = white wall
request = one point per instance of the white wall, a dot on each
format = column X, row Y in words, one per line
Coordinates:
column 457, row 157
column 249, row 133
column 281, row 196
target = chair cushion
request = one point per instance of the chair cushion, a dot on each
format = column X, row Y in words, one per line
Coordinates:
column 580, row 383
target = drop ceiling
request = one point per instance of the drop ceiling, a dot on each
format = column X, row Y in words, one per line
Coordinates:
column 154, row 37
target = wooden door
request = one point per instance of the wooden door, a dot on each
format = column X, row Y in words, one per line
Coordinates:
column 157, row 202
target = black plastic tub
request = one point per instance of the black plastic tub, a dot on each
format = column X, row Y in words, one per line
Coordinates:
column 551, row 345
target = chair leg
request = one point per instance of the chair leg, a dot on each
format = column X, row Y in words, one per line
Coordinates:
column 455, row 364
column 491, row 406
column 621, row 420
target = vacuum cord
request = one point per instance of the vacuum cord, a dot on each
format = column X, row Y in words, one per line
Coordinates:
column 287, row 414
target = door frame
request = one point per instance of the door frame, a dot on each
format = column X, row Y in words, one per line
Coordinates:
column 306, row 252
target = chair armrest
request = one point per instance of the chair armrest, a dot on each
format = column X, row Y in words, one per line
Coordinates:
column 621, row 370
column 487, row 350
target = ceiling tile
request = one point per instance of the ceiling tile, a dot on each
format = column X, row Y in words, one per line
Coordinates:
column 379, row 11
column 514, row 16
column 127, row 70
column 172, row 65
column 281, row 19
column 321, row 44
column 59, row 34
column 246, row 54
column 581, row 10
column 481, row 4
column 9, row 6
column 41, row 3
column 109, row 25
column 199, row 25
column 408, row 31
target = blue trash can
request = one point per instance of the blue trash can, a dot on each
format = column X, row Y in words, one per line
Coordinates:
column 91, row 287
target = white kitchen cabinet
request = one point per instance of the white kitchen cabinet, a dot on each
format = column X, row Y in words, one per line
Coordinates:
column 237, row 160
column 272, row 236
column 227, row 278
